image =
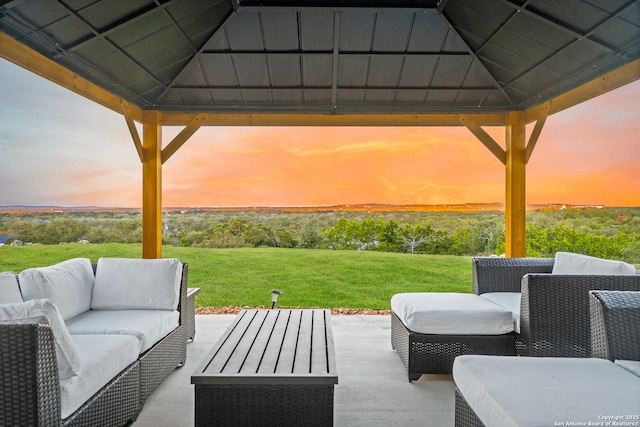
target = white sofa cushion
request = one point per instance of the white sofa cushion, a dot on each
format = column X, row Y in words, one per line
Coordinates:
column 68, row 285
column 511, row 391
column 9, row 289
column 508, row 300
column 66, row 352
column 451, row 314
column 103, row 357
column 570, row 263
column 129, row 283
column 148, row 326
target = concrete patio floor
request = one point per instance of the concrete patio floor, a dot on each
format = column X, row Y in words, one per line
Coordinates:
column 373, row 388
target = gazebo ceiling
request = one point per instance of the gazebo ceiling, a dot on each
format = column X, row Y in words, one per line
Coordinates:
column 323, row 56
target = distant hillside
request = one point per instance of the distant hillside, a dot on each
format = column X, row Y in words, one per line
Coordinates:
column 367, row 207
column 19, row 209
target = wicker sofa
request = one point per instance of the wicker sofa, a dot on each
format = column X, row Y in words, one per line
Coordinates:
column 87, row 344
column 534, row 391
column 550, row 309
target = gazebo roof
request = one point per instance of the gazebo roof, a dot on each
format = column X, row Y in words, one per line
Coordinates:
column 466, row 63
column 332, row 57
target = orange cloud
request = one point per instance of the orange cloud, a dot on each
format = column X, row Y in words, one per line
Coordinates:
column 319, row 166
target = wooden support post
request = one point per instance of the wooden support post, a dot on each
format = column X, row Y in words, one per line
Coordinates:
column 152, row 185
column 515, row 185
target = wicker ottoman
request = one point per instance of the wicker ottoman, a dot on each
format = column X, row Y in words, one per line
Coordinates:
column 428, row 330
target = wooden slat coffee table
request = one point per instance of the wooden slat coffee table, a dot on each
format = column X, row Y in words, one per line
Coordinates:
column 271, row 367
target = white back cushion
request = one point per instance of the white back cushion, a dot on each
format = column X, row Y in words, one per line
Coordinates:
column 131, row 283
column 66, row 353
column 570, row 263
column 9, row 289
column 68, row 285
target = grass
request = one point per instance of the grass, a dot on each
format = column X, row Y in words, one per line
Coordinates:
column 307, row 278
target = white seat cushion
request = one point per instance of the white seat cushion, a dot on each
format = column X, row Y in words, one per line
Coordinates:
column 67, row 354
column 68, row 285
column 570, row 263
column 451, row 314
column 9, row 289
column 148, row 326
column 511, row 391
column 632, row 366
column 508, row 300
column 137, row 284
column 103, row 357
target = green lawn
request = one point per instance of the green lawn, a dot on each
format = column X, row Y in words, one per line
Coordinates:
column 307, row 278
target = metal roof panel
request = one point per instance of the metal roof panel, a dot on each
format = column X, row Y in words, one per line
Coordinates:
column 353, row 70
column 428, row 33
column 219, row 70
column 244, row 31
column 284, row 70
column 317, row 70
column 316, row 30
column 317, row 97
column 356, row 30
column 384, row 70
column 392, row 31
column 451, row 71
column 280, row 30
column 252, row 70
column 418, row 71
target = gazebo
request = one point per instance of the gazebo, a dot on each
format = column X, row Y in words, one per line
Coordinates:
column 194, row 63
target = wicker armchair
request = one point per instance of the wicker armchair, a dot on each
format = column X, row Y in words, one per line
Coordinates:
column 554, row 312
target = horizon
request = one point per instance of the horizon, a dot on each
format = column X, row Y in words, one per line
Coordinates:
column 361, row 206
column 586, row 155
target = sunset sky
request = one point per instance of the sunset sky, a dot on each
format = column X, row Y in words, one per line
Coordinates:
column 57, row 148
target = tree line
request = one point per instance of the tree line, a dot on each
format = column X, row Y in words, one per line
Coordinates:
column 607, row 233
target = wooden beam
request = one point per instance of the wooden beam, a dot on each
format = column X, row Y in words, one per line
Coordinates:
column 152, row 185
column 299, row 119
column 126, row 111
column 29, row 59
column 484, row 137
column 515, row 199
column 182, row 137
column 533, row 139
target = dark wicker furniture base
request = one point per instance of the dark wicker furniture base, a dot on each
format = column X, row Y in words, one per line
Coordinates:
column 464, row 415
column 264, row 405
column 190, row 321
column 114, row 405
column 434, row 354
column 160, row 360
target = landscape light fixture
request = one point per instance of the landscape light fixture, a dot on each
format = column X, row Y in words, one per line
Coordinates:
column 274, row 297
